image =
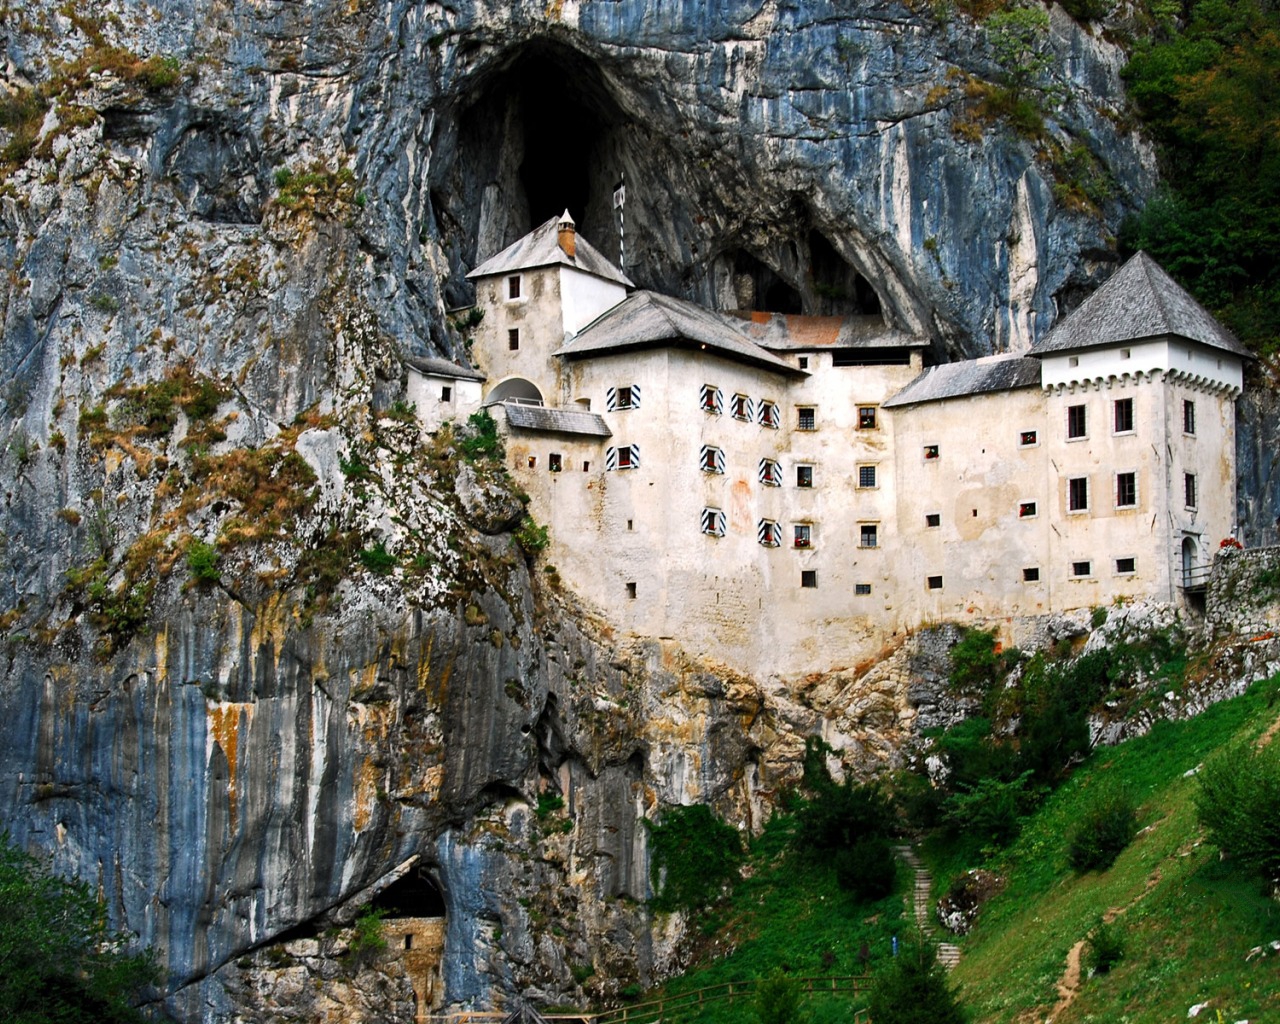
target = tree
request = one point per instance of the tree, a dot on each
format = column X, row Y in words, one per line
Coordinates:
column 778, row 1000
column 1239, row 805
column 1020, row 42
column 914, row 990
column 59, row 961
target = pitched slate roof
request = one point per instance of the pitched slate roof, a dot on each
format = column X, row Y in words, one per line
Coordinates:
column 541, row 248
column 970, row 377
column 556, row 421
column 645, row 319
column 781, row 332
column 442, row 368
column 1138, row 301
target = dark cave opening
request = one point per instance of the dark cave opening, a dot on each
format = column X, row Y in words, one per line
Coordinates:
column 759, row 287
column 414, row 895
column 838, row 289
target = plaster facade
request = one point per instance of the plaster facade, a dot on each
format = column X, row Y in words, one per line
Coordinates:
column 789, row 510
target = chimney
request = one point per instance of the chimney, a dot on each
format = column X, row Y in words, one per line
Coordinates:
column 567, row 235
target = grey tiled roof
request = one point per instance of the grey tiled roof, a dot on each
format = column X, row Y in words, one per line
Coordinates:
column 442, row 368
column 541, row 248
column 785, row 332
column 645, row 319
column 1139, row 301
column 556, row 421
column 970, row 377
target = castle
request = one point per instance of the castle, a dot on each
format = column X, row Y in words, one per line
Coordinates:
column 783, row 493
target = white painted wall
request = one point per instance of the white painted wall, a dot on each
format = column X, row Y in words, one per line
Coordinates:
column 584, row 297
column 1213, row 366
column 425, row 391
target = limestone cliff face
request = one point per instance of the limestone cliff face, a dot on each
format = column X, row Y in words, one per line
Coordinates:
column 267, row 650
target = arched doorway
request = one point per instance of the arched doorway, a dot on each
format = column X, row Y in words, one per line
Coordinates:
column 1188, row 561
column 515, row 389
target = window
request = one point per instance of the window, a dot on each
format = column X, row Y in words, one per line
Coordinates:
column 866, row 417
column 1125, row 353
column 554, row 463
column 1031, row 574
column 1079, row 569
column 1026, row 510
column 533, row 461
column 626, row 456
column 1189, row 489
column 1126, row 490
column 803, row 362
column 808, row 418
column 1126, row 566
column 1188, row 416
column 809, row 578
column 769, row 533
column 930, row 452
column 769, row 415
column 1073, row 360
column 1077, row 422
column 740, row 408
column 586, row 466
column 1078, row 494
column 933, row 582
column 866, row 476
column 932, row 519
column 631, row 591
column 711, row 459
column 513, row 287
column 803, row 535
column 770, row 473
column 625, row 397
column 631, row 524
column 513, row 338
column 868, row 535
column 710, row 399
column 713, row 522
column 446, row 394
column 804, row 476
column 861, row 589
column 1123, row 415
column 408, row 941
column 1028, row 439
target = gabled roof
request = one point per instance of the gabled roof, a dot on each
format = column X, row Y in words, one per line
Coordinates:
column 556, row 421
column 971, row 377
column 789, row 332
column 442, row 368
column 541, row 248
column 1138, row 301
column 645, row 319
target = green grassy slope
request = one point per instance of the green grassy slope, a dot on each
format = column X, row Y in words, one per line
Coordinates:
column 1189, row 920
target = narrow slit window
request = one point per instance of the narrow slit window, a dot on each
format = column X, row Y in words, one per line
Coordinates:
column 631, row 591
column 1188, row 416
column 513, row 339
column 1189, row 490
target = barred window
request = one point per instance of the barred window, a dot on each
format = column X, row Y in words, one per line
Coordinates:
column 807, row 418
column 868, row 535
column 866, row 476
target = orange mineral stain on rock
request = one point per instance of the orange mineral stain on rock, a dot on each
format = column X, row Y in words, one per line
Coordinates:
column 225, row 722
column 366, row 794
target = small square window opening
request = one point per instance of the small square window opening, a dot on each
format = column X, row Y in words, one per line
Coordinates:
column 1026, row 510
column 1079, row 569
column 930, row 452
column 933, row 519
column 533, row 461
column 631, row 591
column 446, row 394
column 1126, row 566
column 803, row 362
column 868, row 535
column 1073, row 360
column 861, row 589
column 933, row 582
column 1031, row 574
column 1124, row 353
column 1028, row 438
column 804, row 476
column 809, row 578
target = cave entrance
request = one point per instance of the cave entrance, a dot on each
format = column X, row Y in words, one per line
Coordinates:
column 413, row 927
column 758, row 287
column 838, row 289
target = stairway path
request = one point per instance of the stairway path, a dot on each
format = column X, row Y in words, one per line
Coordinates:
column 922, row 905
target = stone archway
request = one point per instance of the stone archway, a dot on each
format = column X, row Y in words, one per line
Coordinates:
column 515, row 389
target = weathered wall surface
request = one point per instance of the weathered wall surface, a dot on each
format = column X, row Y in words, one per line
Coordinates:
column 236, row 759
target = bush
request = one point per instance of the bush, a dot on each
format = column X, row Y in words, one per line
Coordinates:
column 992, row 810
column 202, row 560
column 480, row 438
column 694, row 856
column 367, row 942
column 1103, row 948
column 867, row 869
column 1102, row 834
column 914, row 990
column 378, row 559
column 1238, row 804
column 778, row 1000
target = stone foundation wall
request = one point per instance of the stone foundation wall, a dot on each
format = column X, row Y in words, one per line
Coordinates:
column 1244, row 591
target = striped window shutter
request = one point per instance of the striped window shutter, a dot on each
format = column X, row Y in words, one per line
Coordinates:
column 635, row 396
column 611, row 399
column 711, row 399
column 611, row 458
column 612, row 404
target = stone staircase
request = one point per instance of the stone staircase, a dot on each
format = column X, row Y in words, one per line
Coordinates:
column 922, row 905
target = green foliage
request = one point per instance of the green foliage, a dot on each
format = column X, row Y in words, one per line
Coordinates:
column 59, row 961
column 868, row 869
column 548, row 804
column 694, row 856
column 778, row 1000
column 202, row 560
column 531, row 537
column 1207, row 84
column 479, row 438
column 1101, row 835
column 402, row 411
column 975, row 663
column 914, row 990
column 836, row 816
column 1020, row 44
column 1103, row 948
column 992, row 809
column 159, row 72
column 377, row 559
column 467, row 320
column 367, row 940
column 1238, row 803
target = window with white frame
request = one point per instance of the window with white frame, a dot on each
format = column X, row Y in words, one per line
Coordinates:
column 867, row 476
column 626, row 396
column 1122, row 415
column 710, row 399
column 931, row 452
column 1126, row 490
column 741, row 408
column 803, row 535
column 1078, row 494
column 769, row 533
column 711, row 459
column 932, row 520
column 770, row 473
column 767, row 413
column 862, row 590
column 1081, row 568
column 1028, row 438
column 1077, row 422
column 804, row 476
column 1027, row 510
column 1126, row 566
column 713, row 522
column 625, row 456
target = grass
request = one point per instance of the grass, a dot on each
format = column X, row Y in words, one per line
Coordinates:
column 1191, row 919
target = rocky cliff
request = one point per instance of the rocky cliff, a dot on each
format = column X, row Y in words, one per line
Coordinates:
column 268, row 651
